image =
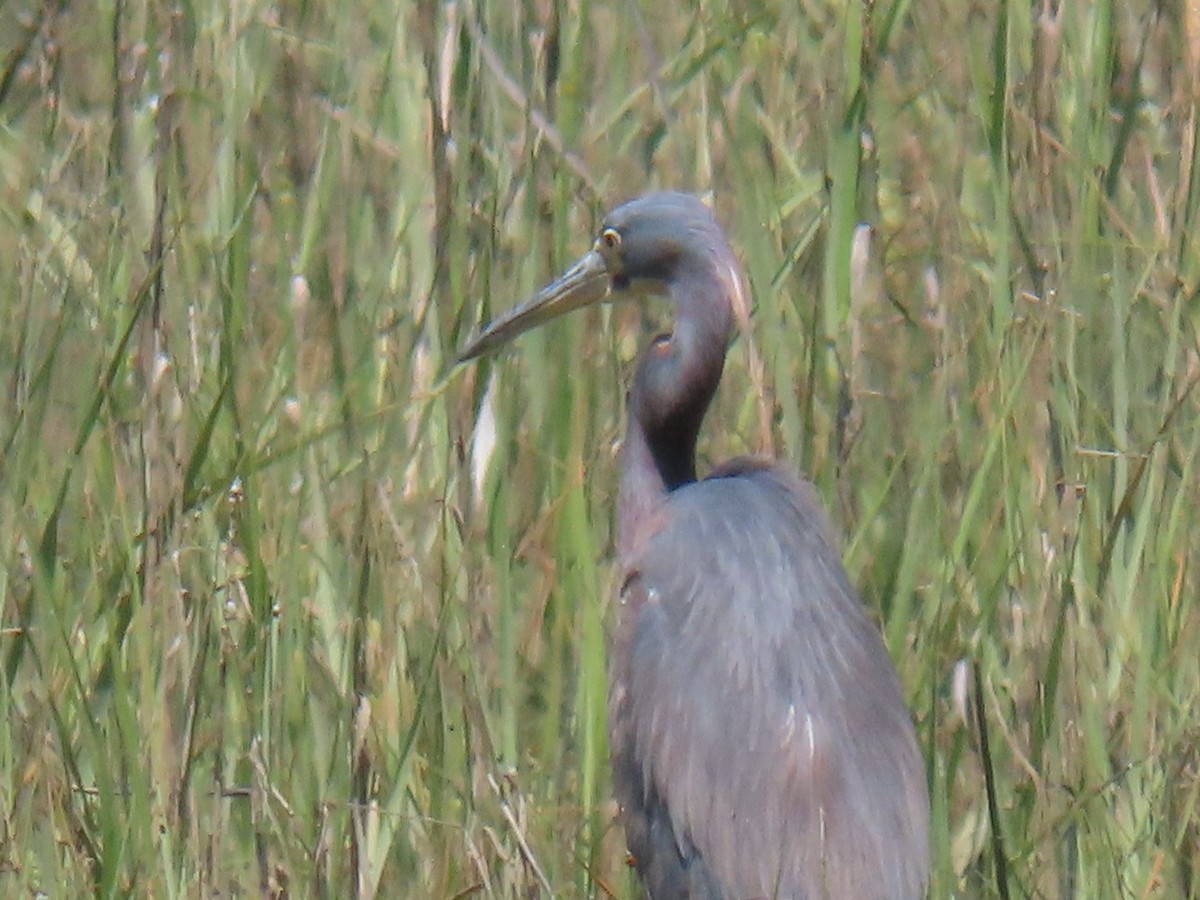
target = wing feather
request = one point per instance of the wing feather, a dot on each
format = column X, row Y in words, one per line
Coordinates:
column 759, row 730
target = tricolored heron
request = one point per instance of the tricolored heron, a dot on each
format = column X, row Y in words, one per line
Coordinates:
column 761, row 746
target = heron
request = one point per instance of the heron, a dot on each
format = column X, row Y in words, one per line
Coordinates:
column 760, row 742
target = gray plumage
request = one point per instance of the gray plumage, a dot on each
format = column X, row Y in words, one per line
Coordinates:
column 761, row 746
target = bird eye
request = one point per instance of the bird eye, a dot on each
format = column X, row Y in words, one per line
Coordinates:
column 611, row 238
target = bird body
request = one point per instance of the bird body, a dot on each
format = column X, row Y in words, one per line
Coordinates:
column 760, row 742
column 761, row 747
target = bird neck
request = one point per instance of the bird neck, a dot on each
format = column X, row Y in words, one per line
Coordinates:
column 676, row 379
column 675, row 383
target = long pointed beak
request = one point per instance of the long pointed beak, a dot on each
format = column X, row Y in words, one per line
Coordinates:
column 584, row 283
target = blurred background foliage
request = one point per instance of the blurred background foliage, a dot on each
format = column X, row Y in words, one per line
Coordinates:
column 290, row 606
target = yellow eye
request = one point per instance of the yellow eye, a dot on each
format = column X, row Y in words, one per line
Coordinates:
column 611, row 238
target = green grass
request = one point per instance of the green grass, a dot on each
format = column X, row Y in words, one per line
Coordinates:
column 289, row 607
